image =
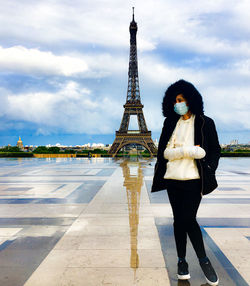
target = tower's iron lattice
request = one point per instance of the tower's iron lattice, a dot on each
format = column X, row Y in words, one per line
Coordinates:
column 133, row 106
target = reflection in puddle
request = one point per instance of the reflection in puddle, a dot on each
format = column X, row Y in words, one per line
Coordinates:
column 133, row 180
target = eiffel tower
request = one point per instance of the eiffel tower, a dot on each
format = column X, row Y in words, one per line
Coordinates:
column 133, row 106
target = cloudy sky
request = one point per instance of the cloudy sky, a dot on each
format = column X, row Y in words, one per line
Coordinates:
column 64, row 64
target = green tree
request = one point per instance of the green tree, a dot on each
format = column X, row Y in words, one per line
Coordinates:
column 41, row 150
column 54, row 150
column 10, row 149
column 99, row 151
column 85, row 151
column 70, row 151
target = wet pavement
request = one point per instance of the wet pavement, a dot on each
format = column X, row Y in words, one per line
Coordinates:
column 94, row 222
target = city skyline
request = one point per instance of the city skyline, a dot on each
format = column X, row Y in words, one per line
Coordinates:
column 63, row 67
column 101, row 144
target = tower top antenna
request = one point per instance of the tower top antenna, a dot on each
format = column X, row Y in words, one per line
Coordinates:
column 133, row 13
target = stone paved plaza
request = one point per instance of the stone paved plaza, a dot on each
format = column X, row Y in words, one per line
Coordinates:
column 94, row 222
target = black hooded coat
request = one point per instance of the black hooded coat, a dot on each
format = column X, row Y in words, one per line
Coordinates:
column 205, row 135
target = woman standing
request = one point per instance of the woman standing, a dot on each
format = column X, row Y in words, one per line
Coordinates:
column 188, row 155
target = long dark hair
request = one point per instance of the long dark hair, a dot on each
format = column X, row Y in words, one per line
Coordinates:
column 190, row 93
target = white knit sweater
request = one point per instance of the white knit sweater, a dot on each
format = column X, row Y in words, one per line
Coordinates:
column 181, row 152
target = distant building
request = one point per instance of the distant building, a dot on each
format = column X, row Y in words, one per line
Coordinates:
column 234, row 142
column 20, row 143
column 98, row 145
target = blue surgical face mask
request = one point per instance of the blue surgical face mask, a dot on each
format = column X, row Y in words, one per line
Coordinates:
column 181, row 108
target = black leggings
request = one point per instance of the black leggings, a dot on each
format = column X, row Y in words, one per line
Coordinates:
column 185, row 198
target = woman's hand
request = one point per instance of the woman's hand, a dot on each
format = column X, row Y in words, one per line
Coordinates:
column 194, row 152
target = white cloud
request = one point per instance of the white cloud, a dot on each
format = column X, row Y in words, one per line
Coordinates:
column 229, row 106
column 194, row 27
column 34, row 61
column 163, row 73
column 242, row 67
column 19, row 59
column 71, row 109
column 225, row 92
column 104, row 64
column 180, row 23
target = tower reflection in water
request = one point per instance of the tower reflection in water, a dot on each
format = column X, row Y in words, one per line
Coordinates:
column 133, row 180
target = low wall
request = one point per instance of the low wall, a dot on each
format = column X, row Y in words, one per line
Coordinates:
column 92, row 155
column 235, row 154
column 15, row 154
column 54, row 155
